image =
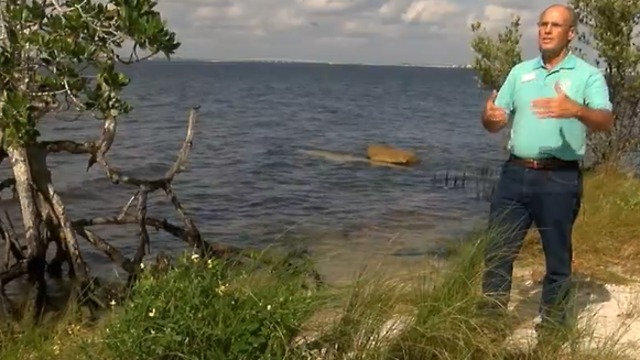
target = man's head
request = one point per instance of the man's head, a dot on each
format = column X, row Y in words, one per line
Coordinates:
column 556, row 28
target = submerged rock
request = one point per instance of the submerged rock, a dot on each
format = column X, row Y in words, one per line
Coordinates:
column 389, row 154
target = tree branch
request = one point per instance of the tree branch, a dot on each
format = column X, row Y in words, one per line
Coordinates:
column 217, row 250
column 142, row 220
column 8, row 234
column 72, row 147
column 183, row 155
column 116, row 177
column 191, row 234
column 113, row 253
column 15, row 271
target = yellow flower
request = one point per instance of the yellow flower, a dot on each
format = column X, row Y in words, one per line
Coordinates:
column 221, row 289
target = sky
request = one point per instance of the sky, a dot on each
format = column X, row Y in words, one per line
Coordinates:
column 421, row 32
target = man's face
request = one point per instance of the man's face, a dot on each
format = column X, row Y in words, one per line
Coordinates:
column 554, row 30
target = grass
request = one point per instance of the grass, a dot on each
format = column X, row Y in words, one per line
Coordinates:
column 607, row 232
column 213, row 310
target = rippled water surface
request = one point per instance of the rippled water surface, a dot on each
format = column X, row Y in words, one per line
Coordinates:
column 255, row 175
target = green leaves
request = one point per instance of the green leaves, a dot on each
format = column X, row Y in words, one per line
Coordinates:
column 67, row 53
column 610, row 31
column 16, row 121
column 495, row 57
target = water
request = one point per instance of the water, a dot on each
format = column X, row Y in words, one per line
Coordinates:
column 251, row 179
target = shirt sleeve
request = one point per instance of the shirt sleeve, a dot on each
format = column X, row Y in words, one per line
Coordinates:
column 597, row 92
column 505, row 98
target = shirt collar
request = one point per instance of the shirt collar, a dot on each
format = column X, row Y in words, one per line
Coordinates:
column 569, row 62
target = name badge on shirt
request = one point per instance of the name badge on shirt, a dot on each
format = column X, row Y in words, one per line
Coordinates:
column 528, row 77
column 565, row 84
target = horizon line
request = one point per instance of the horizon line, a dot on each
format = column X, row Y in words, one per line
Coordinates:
column 307, row 61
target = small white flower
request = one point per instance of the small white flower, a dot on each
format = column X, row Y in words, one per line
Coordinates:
column 268, row 307
column 112, row 303
column 152, row 313
column 141, row 265
column 195, row 257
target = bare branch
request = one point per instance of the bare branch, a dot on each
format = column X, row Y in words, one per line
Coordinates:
column 142, row 220
column 72, row 147
column 108, row 134
column 79, row 266
column 9, row 235
column 192, row 235
column 15, row 271
column 129, row 219
column 113, row 253
column 125, row 209
column 183, row 155
column 216, row 250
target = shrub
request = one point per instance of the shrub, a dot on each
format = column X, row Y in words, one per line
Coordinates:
column 213, row 310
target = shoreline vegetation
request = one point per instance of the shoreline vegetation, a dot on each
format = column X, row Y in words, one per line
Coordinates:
column 244, row 305
column 257, row 309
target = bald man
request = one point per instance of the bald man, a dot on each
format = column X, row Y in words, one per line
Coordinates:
column 552, row 101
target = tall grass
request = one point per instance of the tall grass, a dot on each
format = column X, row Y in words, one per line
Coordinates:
column 607, row 230
column 440, row 315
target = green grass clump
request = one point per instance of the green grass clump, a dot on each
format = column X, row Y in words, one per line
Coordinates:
column 213, row 310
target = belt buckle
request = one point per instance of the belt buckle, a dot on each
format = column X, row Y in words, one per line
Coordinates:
column 535, row 164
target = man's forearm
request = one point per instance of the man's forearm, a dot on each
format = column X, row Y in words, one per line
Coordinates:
column 595, row 119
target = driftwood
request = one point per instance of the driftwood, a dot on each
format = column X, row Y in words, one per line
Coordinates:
column 46, row 221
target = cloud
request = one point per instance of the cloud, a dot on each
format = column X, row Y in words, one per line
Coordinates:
column 428, row 11
column 328, row 5
column 495, row 17
column 374, row 31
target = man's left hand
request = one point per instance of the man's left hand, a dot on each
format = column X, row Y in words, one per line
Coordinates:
column 560, row 106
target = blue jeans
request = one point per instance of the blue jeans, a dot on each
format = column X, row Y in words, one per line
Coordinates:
column 549, row 198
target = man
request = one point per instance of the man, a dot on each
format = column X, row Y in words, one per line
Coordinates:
column 552, row 100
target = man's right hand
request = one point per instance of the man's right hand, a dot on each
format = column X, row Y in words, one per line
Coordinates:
column 494, row 118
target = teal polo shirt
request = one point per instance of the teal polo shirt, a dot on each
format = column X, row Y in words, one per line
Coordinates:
column 533, row 137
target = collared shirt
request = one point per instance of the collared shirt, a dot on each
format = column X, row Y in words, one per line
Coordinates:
column 534, row 137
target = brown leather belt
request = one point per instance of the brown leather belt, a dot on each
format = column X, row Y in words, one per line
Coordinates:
column 544, row 164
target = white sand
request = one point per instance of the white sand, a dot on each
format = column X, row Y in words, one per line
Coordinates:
column 610, row 315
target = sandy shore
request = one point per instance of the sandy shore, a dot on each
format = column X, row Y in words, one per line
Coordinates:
column 610, row 314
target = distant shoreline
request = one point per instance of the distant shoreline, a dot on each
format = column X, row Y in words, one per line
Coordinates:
column 310, row 62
